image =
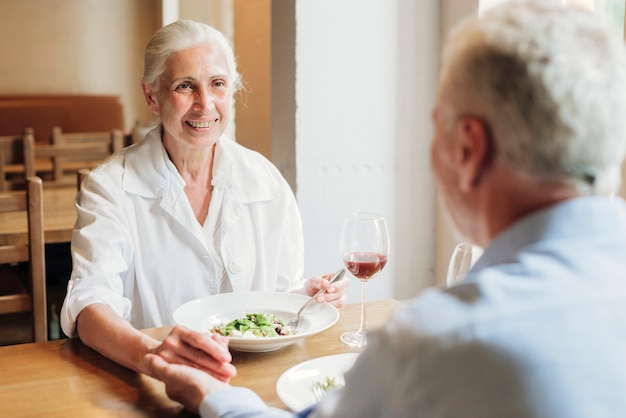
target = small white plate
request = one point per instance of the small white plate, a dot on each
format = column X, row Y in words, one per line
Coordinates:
column 204, row 313
column 295, row 386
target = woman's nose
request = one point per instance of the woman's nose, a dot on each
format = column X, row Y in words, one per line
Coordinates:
column 203, row 100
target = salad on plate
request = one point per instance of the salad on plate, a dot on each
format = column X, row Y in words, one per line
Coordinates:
column 260, row 325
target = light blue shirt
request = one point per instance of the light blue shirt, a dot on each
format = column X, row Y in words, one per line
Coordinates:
column 536, row 329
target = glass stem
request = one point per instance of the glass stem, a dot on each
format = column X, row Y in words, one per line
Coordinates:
column 363, row 325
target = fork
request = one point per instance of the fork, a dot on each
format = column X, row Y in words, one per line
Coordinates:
column 319, row 392
column 293, row 323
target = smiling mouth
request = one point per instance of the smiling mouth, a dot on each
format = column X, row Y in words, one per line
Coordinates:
column 206, row 124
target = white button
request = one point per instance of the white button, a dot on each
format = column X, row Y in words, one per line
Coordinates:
column 234, row 266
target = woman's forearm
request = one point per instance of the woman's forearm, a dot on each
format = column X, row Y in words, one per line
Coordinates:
column 100, row 328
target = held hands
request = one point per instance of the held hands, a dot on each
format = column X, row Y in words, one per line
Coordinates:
column 184, row 384
column 335, row 294
column 204, row 351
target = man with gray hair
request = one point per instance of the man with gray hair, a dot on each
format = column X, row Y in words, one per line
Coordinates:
column 529, row 136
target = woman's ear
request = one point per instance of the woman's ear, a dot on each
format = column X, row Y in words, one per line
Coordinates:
column 474, row 151
column 150, row 96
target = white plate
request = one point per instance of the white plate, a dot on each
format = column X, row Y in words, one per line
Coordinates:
column 295, row 386
column 204, row 313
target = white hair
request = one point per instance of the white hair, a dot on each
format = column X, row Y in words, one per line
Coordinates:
column 550, row 82
column 181, row 35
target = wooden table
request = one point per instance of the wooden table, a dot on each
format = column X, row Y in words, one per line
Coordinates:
column 59, row 215
column 64, row 378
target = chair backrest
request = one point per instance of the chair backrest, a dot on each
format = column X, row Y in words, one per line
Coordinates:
column 29, row 201
column 17, row 160
column 80, row 176
column 134, row 135
column 70, row 152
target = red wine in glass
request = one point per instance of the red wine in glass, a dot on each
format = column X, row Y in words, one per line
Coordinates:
column 365, row 265
column 364, row 248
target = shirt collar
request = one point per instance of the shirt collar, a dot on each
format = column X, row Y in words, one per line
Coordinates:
column 150, row 173
column 586, row 217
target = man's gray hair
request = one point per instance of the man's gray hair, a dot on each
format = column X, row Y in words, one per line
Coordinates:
column 550, row 82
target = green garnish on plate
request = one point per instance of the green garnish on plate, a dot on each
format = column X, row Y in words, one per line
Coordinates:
column 257, row 324
column 328, row 383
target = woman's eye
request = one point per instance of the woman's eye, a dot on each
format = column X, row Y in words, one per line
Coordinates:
column 184, row 86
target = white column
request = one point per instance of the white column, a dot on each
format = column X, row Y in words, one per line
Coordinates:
column 169, row 11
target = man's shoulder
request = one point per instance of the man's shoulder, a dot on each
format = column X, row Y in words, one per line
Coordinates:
column 484, row 301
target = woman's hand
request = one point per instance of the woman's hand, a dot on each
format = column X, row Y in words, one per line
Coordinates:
column 204, row 351
column 335, row 293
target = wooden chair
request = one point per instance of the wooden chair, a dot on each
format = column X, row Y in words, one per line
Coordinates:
column 80, row 176
column 70, row 152
column 16, row 297
column 133, row 136
column 17, row 160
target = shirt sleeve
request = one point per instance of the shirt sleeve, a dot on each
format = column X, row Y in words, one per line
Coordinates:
column 238, row 402
column 101, row 250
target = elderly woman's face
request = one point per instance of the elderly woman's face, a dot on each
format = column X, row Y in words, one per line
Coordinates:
column 195, row 97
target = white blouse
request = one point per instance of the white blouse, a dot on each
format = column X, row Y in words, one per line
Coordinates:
column 138, row 248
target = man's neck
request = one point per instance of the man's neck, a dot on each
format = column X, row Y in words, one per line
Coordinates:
column 505, row 197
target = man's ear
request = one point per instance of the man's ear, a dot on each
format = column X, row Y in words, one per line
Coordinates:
column 474, row 151
column 149, row 95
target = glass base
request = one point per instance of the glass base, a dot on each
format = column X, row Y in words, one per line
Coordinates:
column 354, row 339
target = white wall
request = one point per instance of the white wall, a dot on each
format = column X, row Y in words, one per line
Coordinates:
column 366, row 74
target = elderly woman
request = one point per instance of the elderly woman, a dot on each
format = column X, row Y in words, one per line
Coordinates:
column 185, row 213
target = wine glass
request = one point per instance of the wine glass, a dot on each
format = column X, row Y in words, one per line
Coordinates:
column 463, row 258
column 364, row 249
